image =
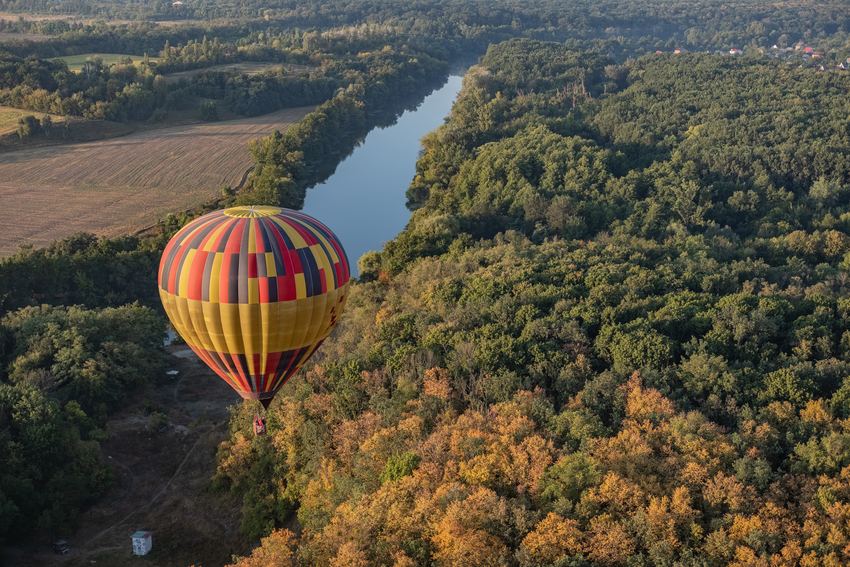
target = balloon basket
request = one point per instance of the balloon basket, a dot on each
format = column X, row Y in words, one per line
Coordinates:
column 259, row 425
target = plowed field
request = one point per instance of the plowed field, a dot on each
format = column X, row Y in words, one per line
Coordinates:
column 120, row 185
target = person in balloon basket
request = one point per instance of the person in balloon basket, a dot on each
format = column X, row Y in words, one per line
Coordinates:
column 259, row 425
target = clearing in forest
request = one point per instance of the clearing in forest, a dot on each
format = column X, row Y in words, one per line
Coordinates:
column 120, row 185
column 75, row 62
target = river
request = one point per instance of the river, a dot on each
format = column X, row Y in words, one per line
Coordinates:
column 363, row 202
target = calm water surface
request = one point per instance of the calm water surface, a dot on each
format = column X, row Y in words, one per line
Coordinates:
column 363, row 201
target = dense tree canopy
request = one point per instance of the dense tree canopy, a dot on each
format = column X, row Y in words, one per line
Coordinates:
column 691, row 23
column 61, row 371
column 615, row 331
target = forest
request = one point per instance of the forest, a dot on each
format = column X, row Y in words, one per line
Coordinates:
column 695, row 22
column 615, row 331
column 131, row 92
column 606, row 336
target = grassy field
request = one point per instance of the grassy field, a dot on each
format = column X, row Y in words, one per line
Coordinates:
column 9, row 118
column 33, row 17
column 36, row 17
column 15, row 16
column 75, row 62
column 242, row 68
column 121, row 185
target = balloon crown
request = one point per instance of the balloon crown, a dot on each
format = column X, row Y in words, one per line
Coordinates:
column 252, row 211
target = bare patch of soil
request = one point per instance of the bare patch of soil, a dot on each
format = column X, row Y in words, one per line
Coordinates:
column 162, row 448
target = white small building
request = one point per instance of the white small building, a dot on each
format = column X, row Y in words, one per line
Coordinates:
column 142, row 542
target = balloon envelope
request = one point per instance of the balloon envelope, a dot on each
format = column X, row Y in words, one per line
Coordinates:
column 254, row 291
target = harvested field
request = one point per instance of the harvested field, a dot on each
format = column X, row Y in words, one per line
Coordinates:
column 243, row 68
column 120, row 185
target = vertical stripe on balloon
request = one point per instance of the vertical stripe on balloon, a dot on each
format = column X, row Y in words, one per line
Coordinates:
column 254, row 291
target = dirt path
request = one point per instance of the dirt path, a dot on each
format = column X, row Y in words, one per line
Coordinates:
column 118, row 185
column 162, row 481
column 122, row 521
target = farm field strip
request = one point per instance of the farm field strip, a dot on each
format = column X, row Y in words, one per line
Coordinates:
column 120, row 185
column 33, row 17
column 19, row 36
column 9, row 118
column 15, row 16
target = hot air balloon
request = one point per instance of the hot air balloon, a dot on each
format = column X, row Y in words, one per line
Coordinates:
column 254, row 291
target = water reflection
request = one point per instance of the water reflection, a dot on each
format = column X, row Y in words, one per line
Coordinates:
column 364, row 200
